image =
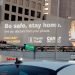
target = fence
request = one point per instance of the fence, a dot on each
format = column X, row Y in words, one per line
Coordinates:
column 63, row 56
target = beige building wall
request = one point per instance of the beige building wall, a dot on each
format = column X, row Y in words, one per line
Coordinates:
column 54, row 7
column 65, row 8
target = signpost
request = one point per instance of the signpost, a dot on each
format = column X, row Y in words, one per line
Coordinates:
column 30, row 47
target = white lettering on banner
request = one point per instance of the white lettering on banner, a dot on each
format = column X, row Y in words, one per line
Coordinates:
column 35, row 39
column 38, row 26
column 49, row 25
column 45, row 25
column 59, row 25
column 36, row 32
column 8, row 26
column 31, row 26
column 19, row 26
column 15, row 26
column 40, row 39
column 59, row 39
column 52, row 39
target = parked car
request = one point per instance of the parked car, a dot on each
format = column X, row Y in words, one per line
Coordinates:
column 37, row 68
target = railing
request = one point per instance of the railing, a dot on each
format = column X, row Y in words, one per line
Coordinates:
column 63, row 56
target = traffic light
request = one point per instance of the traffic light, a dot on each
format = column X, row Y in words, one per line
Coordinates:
column 3, row 42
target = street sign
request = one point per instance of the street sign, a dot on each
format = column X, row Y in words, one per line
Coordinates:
column 29, row 47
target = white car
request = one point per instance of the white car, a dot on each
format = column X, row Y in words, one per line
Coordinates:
column 38, row 68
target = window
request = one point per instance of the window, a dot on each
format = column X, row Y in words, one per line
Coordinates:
column 31, row 19
column 6, row 16
column 38, row 14
column 20, row 10
column 46, row 4
column 44, row 17
column 33, row 4
column 26, row 11
column 46, row 13
column 32, row 13
column 7, row 7
column 13, row 17
column 19, row 18
column 27, row 3
column 45, row 8
column 46, row 0
column 39, row 6
column 13, row 8
column 14, row 1
column 26, row 19
column 20, row 2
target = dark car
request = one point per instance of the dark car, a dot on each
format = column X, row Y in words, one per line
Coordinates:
column 38, row 68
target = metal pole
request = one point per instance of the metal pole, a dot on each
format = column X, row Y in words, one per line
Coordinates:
column 34, row 56
column 58, row 8
column 56, row 40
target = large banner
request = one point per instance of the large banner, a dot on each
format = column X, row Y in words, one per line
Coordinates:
column 39, row 33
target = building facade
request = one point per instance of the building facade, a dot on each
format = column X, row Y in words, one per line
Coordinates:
column 60, row 8
column 50, row 7
column 64, row 9
column 21, row 10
